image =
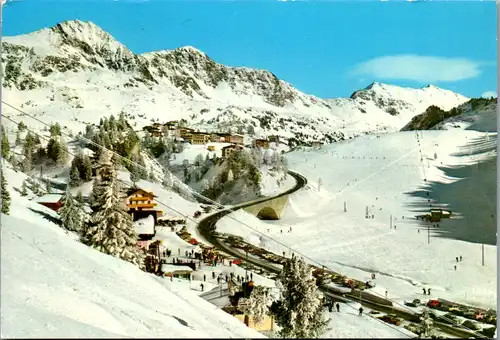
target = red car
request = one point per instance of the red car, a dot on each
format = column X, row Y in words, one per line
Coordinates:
column 433, row 303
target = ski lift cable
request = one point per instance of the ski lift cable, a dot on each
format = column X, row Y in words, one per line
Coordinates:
column 203, row 197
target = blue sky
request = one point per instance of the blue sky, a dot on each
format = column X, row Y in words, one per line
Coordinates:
column 328, row 49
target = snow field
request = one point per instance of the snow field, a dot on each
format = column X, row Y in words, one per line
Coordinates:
column 54, row 286
column 349, row 243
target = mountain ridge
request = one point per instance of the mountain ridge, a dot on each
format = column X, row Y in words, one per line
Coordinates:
column 76, row 59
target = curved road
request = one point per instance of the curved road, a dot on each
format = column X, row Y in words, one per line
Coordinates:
column 207, row 229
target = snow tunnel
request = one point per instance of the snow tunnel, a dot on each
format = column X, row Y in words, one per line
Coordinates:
column 267, row 213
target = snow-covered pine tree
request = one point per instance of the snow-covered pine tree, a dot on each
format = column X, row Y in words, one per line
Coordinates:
column 24, row 188
column 111, row 229
column 79, row 198
column 204, row 185
column 26, row 164
column 18, row 138
column 299, row 312
column 198, row 161
column 86, row 168
column 48, row 187
column 257, row 305
column 5, row 144
column 135, row 174
column 5, row 194
column 74, row 173
column 69, row 212
column 426, row 330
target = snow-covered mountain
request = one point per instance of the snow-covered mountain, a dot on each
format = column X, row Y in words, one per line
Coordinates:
column 76, row 73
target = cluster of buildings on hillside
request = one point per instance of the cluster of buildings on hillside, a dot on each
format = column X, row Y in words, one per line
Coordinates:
column 179, row 133
column 173, row 130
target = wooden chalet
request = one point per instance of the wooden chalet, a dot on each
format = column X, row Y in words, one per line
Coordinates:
column 220, row 137
column 236, row 139
column 51, row 201
column 199, row 138
column 141, row 204
column 261, row 143
column 227, row 150
column 154, row 130
column 185, row 132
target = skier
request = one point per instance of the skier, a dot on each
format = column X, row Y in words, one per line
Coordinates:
column 455, row 266
column 460, row 258
column 179, row 251
column 251, row 276
column 213, row 275
column 360, row 311
column 456, row 259
column 425, row 292
column 338, row 307
column 186, row 253
column 204, row 277
column 428, row 291
column 418, row 231
column 201, row 285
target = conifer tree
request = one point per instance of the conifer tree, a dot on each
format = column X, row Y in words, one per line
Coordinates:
column 70, row 213
column 111, row 229
column 5, row 194
column 257, row 305
column 299, row 312
column 425, row 328
column 5, row 144
column 18, row 138
column 24, row 189
column 74, row 173
column 86, row 168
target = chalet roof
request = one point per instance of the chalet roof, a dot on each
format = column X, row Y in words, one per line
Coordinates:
column 237, row 135
column 49, row 198
column 232, row 146
column 132, row 191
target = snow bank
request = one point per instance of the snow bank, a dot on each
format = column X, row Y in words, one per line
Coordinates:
column 71, row 290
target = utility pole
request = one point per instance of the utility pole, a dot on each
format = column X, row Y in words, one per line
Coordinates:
column 428, row 233
column 246, row 266
column 366, row 214
column 482, row 253
column 390, row 225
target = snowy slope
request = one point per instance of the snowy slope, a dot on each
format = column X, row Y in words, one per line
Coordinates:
column 379, row 173
column 76, row 73
column 481, row 119
column 54, row 286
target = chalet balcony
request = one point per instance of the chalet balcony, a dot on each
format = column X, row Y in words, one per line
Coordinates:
column 141, row 205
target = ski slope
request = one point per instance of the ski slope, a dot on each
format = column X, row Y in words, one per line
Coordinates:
column 378, row 172
column 54, row 286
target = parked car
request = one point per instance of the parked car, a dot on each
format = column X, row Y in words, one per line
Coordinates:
column 197, row 214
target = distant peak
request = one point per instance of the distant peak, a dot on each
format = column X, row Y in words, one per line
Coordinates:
column 190, row 49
